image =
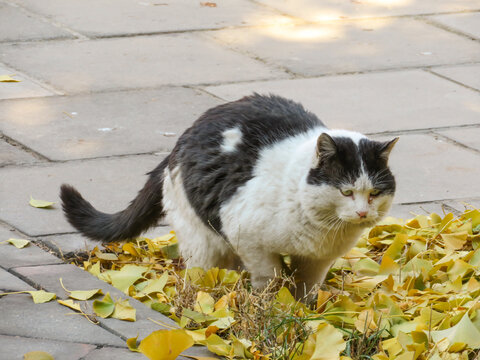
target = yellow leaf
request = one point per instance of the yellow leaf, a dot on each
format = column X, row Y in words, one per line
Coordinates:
column 38, row 355
column 7, row 78
column 84, row 294
column 204, row 303
column 388, row 266
column 127, row 275
column 454, row 241
column 106, row 256
column 41, row 296
column 217, row 345
column 329, row 343
column 71, row 304
column 463, row 332
column 395, row 249
column 18, row 243
column 124, row 311
column 40, row 203
column 154, row 286
column 132, row 344
column 165, row 344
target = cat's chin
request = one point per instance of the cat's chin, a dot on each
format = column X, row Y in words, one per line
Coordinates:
column 362, row 222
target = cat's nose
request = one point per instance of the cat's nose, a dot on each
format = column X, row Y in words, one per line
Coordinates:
column 362, row 214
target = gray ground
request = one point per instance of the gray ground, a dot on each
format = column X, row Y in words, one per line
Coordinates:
column 107, row 87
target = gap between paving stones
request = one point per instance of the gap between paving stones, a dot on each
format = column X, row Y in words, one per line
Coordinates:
column 433, row 72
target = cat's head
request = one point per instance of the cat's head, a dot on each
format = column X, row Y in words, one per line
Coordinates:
column 354, row 177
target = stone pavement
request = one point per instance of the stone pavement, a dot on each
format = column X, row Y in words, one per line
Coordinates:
column 106, row 87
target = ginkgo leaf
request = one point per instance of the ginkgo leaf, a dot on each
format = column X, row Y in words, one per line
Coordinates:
column 217, row 345
column 84, row 294
column 40, row 203
column 105, row 307
column 18, row 243
column 124, row 311
column 38, row 355
column 41, row 296
column 126, row 276
column 204, row 303
column 132, row 344
column 165, row 344
column 154, row 286
column 71, row 304
column 464, row 332
column 7, row 78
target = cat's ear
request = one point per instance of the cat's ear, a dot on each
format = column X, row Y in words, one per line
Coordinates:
column 326, row 147
column 386, row 148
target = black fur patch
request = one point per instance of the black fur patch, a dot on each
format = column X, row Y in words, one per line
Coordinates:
column 210, row 176
column 345, row 166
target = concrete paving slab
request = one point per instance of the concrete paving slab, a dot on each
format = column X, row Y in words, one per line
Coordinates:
column 428, row 169
column 467, row 74
column 10, row 154
column 68, row 244
column 468, row 136
column 129, row 63
column 351, row 46
column 75, row 278
column 17, row 25
column 11, row 257
column 108, row 353
column 376, row 102
column 409, row 211
column 8, row 283
column 25, row 88
column 468, row 23
column 117, row 123
column 109, row 185
column 313, row 10
column 21, row 317
column 149, row 16
column 14, row 347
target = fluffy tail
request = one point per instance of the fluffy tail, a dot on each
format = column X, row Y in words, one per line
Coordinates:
column 142, row 213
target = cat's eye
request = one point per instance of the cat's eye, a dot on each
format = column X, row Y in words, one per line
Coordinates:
column 346, row 192
column 375, row 192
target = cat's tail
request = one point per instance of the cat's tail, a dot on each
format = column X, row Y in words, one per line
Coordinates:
column 142, row 213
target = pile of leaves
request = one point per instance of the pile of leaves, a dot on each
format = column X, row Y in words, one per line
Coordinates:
column 409, row 290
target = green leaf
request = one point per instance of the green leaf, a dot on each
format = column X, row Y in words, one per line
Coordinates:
column 128, row 275
column 464, row 332
column 38, row 355
column 154, row 286
column 40, row 203
column 132, row 344
column 105, row 307
column 165, row 344
column 217, row 345
column 18, row 243
column 162, row 308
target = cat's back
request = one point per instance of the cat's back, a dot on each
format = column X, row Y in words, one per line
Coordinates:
column 219, row 152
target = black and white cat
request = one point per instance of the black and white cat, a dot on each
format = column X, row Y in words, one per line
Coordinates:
column 252, row 179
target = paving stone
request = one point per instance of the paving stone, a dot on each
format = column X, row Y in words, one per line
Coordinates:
column 109, row 184
column 76, row 243
column 14, row 347
column 116, row 123
column 338, row 47
column 109, row 353
column 468, row 23
column 409, row 211
column 468, row 136
column 10, row 154
column 314, row 10
column 128, row 63
column 429, row 169
column 11, row 257
column 75, row 278
column 8, row 282
column 18, row 313
column 375, row 102
column 137, row 17
column 17, row 25
column 467, row 74
column 25, row 88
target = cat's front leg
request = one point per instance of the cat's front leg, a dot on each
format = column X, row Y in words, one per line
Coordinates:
column 263, row 266
column 309, row 272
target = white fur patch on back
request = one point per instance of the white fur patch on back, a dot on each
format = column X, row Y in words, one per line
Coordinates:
column 231, row 138
column 355, row 136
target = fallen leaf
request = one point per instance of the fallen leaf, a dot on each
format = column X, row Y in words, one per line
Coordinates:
column 71, row 304
column 7, row 78
column 38, row 355
column 105, row 307
column 124, row 311
column 464, row 332
column 40, row 203
column 165, row 344
column 41, row 296
column 208, row 4
column 18, row 243
column 132, row 344
column 84, row 294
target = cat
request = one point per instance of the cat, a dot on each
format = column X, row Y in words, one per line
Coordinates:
column 253, row 179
